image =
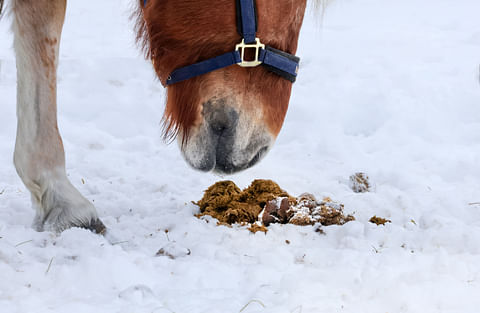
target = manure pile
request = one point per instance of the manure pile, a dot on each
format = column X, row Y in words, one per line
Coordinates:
column 264, row 203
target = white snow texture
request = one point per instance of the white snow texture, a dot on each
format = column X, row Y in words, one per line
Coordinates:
column 386, row 87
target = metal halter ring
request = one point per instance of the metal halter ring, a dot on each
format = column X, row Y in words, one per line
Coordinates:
column 242, row 46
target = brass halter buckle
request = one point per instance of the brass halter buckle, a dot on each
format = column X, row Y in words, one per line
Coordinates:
column 242, row 46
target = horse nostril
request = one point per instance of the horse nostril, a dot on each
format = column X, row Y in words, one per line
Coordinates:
column 220, row 117
column 218, row 129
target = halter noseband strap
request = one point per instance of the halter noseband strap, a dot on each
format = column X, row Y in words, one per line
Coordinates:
column 276, row 61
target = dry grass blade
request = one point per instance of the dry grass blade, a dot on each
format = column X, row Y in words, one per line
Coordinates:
column 250, row 302
column 298, row 309
column 23, row 242
column 119, row 242
column 49, row 266
column 162, row 308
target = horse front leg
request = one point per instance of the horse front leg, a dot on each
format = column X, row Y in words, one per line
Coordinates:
column 39, row 155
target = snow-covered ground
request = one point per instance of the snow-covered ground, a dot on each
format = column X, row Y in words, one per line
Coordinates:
column 387, row 87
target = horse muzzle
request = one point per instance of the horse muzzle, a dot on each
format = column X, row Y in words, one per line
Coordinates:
column 228, row 139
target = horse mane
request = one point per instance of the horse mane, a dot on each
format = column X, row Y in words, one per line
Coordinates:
column 321, row 5
column 170, row 128
column 1, row 7
column 140, row 28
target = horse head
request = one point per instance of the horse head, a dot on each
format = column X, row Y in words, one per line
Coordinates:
column 225, row 120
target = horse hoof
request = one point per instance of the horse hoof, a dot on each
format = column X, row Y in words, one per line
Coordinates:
column 97, row 227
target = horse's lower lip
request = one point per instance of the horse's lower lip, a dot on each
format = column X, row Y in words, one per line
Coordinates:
column 257, row 156
column 229, row 168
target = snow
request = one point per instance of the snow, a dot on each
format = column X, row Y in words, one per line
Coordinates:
column 389, row 88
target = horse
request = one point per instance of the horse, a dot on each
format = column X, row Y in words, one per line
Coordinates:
column 225, row 120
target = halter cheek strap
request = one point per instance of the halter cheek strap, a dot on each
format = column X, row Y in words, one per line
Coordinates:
column 276, row 61
column 247, row 20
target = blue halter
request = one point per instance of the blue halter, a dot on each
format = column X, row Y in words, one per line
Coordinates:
column 276, row 61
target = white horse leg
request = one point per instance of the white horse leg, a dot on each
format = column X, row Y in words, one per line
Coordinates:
column 39, row 155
